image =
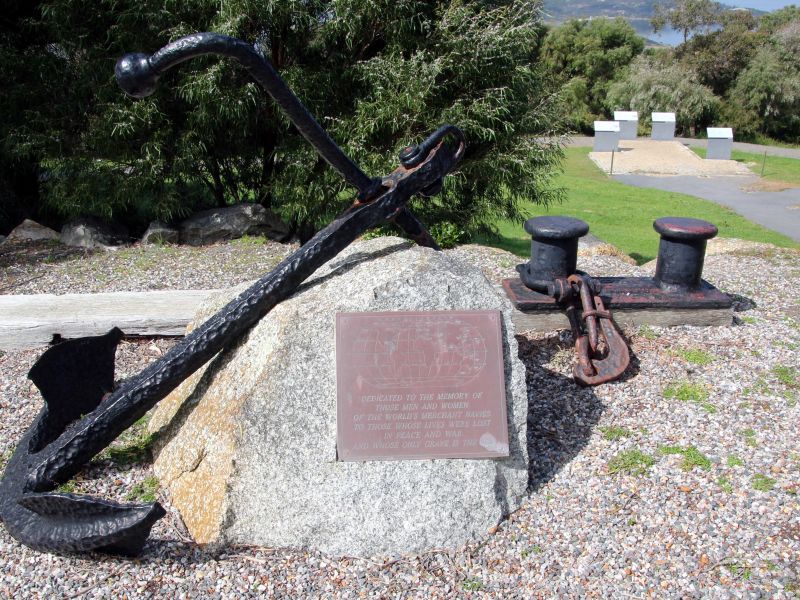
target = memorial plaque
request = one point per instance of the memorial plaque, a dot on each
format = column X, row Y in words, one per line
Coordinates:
column 420, row 385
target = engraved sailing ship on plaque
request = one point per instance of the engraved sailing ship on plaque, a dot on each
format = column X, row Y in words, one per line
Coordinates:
column 417, row 385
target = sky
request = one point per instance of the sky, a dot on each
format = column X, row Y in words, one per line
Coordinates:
column 760, row 4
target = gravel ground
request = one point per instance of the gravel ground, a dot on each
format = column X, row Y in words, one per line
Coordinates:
column 647, row 157
column 52, row 268
column 680, row 481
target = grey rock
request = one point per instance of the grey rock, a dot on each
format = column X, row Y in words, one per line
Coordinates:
column 248, row 444
column 160, row 233
column 231, row 222
column 31, row 230
column 89, row 232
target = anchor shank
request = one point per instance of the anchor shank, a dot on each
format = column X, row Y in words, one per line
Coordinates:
column 138, row 74
column 122, row 408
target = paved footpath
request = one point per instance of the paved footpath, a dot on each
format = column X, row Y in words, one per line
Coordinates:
column 779, row 211
column 582, row 141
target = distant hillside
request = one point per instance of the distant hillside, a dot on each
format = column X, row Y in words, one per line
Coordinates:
column 637, row 12
column 563, row 10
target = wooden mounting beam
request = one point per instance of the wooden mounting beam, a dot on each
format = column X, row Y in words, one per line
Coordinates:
column 31, row 321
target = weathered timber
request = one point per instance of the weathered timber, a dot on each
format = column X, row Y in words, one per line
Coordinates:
column 31, row 321
column 697, row 317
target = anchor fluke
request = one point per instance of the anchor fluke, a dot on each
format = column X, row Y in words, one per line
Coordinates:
column 73, row 377
column 67, row 522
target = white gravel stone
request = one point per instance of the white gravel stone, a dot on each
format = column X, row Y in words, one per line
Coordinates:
column 643, row 536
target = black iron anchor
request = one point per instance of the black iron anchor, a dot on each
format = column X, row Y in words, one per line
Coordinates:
column 82, row 414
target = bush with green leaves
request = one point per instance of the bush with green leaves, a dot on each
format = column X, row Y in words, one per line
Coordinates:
column 378, row 74
column 766, row 96
column 651, row 84
column 777, row 19
column 586, row 55
column 720, row 56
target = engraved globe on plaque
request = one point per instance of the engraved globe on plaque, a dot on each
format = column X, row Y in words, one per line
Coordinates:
column 420, row 385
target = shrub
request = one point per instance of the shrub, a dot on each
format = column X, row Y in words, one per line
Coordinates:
column 377, row 74
column 648, row 86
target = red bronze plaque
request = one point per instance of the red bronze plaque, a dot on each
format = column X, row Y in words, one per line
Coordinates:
column 420, row 385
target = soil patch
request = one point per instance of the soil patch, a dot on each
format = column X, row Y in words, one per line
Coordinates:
column 764, row 185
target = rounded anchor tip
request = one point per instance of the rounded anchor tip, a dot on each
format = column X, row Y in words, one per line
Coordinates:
column 135, row 75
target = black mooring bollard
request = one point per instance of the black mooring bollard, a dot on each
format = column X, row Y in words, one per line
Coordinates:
column 681, row 252
column 554, row 251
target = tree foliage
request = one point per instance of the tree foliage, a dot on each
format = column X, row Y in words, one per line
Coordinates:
column 378, row 74
column 651, row 85
column 586, row 55
column 26, row 73
column 687, row 16
column 777, row 19
column 718, row 57
column 766, row 96
column 752, row 66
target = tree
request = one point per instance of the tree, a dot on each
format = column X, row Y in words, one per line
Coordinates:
column 766, row 96
column 377, row 74
column 686, row 16
column 765, row 99
column 718, row 57
column 787, row 42
column 777, row 19
column 652, row 85
column 586, row 55
column 24, row 76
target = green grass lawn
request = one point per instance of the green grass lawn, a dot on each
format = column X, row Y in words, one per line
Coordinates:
column 777, row 168
column 623, row 215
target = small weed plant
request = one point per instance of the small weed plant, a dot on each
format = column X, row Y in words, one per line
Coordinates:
column 135, row 446
column 5, row 456
column 696, row 356
column 739, row 570
column 648, row 333
column 760, row 386
column 448, row 235
column 67, row 488
column 686, row 391
column 749, row 437
column 472, row 585
column 250, row 240
column 788, row 376
column 613, row 433
column 692, row 457
column 144, row 491
column 762, row 483
column 631, row 462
